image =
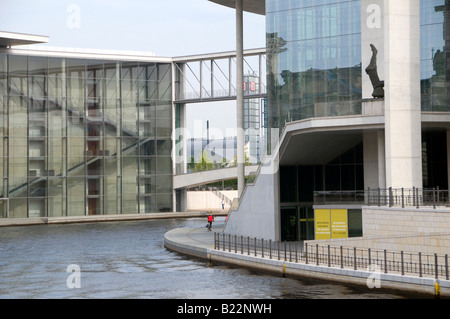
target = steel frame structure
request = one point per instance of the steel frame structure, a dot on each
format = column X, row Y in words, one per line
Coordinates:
column 211, row 77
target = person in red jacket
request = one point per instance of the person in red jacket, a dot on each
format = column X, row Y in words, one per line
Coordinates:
column 210, row 221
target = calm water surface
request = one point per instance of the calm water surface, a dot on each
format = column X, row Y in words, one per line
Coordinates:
column 128, row 260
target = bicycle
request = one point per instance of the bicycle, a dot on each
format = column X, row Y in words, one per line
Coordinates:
column 210, row 221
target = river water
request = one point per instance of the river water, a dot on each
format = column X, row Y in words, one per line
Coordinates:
column 128, row 260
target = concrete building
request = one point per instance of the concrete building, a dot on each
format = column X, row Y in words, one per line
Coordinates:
column 359, row 93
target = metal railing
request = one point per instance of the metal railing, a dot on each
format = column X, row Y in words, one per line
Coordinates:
column 384, row 261
column 400, row 197
column 222, row 197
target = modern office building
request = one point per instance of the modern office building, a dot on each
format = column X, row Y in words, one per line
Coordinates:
column 83, row 132
column 359, row 90
column 101, row 132
column 358, row 95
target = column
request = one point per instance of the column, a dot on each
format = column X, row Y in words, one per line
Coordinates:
column 448, row 157
column 240, row 96
column 371, row 160
column 381, row 159
column 402, row 99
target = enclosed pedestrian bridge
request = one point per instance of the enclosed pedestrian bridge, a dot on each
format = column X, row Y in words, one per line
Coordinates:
column 212, row 77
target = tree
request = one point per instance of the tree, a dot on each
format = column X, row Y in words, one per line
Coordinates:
column 203, row 162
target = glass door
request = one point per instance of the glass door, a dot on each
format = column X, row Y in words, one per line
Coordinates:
column 289, row 224
column 306, row 223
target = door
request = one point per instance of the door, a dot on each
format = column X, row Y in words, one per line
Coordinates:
column 289, row 224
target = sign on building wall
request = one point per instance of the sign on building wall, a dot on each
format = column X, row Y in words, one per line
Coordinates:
column 322, row 224
column 331, row 223
column 339, row 223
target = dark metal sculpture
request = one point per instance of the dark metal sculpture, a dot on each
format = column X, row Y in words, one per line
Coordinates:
column 371, row 70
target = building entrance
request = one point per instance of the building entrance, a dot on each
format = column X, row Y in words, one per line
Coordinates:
column 289, row 224
column 299, row 182
column 297, row 223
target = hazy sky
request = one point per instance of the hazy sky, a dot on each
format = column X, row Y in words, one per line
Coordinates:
column 168, row 28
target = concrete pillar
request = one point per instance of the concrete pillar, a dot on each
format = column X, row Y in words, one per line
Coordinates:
column 381, row 159
column 240, row 95
column 402, row 99
column 182, row 201
column 374, row 159
column 371, row 167
column 448, row 157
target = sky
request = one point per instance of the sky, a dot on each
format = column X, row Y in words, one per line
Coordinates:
column 168, row 28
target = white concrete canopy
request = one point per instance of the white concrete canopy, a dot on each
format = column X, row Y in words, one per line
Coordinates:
column 320, row 140
column 10, row 39
column 253, row 6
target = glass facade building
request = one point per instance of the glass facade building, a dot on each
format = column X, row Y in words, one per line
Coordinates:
column 435, row 55
column 314, row 59
column 315, row 70
column 252, row 120
column 84, row 136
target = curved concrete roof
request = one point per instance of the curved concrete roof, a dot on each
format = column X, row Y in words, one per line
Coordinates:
column 254, row 6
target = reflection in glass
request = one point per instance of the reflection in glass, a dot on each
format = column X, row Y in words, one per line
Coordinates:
column 81, row 135
column 314, row 60
column 435, row 55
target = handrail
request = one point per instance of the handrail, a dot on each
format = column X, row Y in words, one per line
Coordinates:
column 400, row 197
column 223, row 197
column 417, row 264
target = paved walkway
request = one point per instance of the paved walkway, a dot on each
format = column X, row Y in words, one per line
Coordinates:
column 103, row 218
column 198, row 242
column 192, row 241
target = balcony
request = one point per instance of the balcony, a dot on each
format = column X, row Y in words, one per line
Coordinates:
column 398, row 197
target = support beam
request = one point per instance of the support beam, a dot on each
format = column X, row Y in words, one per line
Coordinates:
column 240, row 95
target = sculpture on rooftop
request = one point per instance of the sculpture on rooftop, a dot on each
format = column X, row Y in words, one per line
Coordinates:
column 371, row 70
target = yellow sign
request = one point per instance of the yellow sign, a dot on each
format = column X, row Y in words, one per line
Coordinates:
column 331, row 224
column 339, row 224
column 322, row 224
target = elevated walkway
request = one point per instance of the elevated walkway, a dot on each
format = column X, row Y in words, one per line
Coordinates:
column 207, row 177
column 210, row 77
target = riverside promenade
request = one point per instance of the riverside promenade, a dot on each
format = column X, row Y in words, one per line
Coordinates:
column 198, row 242
column 8, row 222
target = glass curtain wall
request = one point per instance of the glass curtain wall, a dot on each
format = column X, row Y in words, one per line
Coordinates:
column 314, row 59
column 4, row 132
column 435, row 55
column 84, row 136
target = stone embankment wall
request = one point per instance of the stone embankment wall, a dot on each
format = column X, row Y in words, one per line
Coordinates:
column 425, row 230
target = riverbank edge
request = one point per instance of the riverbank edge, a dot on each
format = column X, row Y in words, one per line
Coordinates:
column 423, row 286
column 9, row 222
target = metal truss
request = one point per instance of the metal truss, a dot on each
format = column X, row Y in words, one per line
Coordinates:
column 211, row 77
